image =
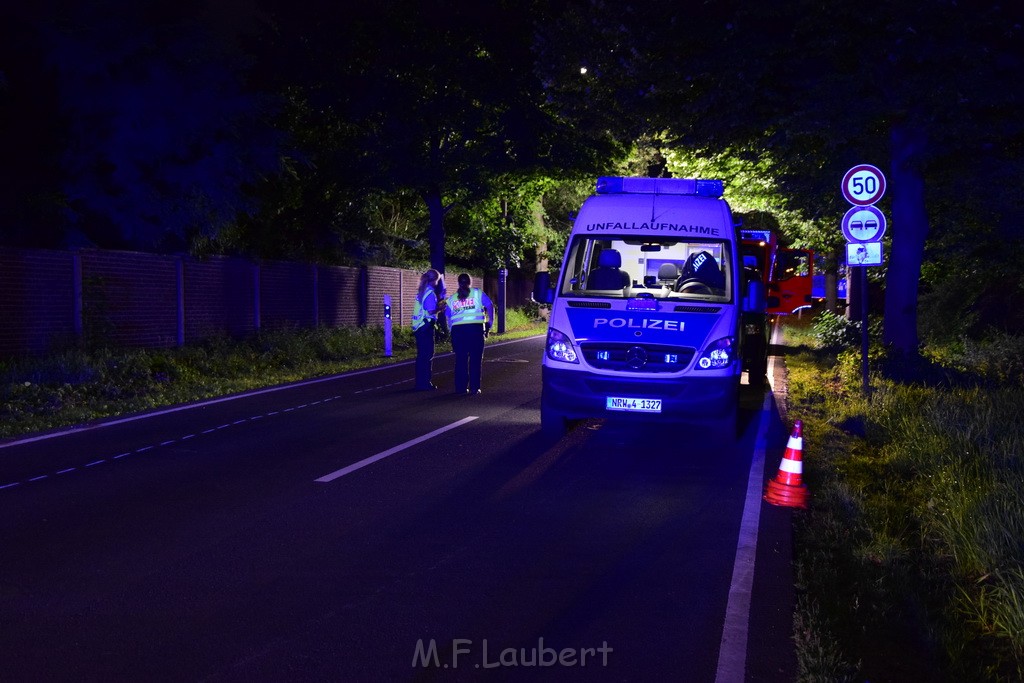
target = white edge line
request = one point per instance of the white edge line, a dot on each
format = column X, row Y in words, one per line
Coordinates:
column 234, row 397
column 391, row 451
column 732, row 651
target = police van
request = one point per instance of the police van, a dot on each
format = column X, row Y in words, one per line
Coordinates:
column 646, row 312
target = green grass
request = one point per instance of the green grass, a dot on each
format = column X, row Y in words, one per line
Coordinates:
column 909, row 560
column 79, row 386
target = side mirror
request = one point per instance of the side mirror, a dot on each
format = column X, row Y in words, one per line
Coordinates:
column 754, row 301
column 543, row 293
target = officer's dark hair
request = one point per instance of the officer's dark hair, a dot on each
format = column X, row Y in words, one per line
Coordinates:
column 464, row 282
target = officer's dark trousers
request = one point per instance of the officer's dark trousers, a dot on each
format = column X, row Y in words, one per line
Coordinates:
column 424, row 355
column 468, row 345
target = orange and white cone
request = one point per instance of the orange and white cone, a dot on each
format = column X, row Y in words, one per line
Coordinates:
column 787, row 488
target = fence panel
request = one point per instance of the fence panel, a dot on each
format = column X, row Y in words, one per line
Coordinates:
column 55, row 298
column 37, row 300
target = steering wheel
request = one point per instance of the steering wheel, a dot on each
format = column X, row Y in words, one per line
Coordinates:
column 692, row 285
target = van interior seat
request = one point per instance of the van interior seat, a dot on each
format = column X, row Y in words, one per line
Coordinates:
column 667, row 273
column 608, row 274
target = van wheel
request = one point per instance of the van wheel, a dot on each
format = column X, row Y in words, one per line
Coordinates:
column 758, row 365
column 757, row 374
column 552, row 425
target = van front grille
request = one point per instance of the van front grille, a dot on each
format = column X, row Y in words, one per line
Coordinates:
column 637, row 357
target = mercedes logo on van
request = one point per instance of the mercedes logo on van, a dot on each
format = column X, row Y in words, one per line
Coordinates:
column 636, row 357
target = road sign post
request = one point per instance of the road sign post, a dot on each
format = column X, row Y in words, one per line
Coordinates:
column 863, row 226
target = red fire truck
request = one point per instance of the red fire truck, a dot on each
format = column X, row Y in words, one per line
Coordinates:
column 788, row 274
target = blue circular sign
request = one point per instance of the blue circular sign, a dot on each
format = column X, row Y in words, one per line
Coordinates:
column 863, row 224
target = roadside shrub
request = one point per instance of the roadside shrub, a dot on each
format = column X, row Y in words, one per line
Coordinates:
column 516, row 318
column 999, row 356
column 834, row 332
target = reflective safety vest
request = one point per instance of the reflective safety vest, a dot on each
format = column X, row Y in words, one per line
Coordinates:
column 420, row 314
column 468, row 310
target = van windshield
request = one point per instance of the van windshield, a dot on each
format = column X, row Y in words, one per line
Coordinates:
column 605, row 266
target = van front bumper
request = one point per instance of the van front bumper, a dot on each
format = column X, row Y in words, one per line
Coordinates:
column 578, row 395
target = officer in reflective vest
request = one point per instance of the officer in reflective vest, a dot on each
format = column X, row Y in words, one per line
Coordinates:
column 470, row 315
column 428, row 305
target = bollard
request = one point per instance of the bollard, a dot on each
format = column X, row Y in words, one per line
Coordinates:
column 502, row 299
column 387, row 325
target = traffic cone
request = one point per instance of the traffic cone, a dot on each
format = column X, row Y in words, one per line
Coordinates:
column 786, row 489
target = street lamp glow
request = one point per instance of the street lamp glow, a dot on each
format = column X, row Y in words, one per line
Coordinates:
column 583, row 69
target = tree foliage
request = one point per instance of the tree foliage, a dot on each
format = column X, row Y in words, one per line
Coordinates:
column 162, row 138
column 418, row 131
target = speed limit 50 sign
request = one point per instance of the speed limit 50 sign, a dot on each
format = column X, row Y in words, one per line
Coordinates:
column 863, row 185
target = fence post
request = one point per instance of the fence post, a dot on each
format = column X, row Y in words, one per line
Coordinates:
column 180, row 284
column 316, row 295
column 256, row 297
column 363, row 294
column 76, row 294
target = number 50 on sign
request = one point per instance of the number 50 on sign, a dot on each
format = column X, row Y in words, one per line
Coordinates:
column 863, row 185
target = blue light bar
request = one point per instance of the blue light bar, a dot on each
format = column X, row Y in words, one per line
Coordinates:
column 710, row 188
column 681, row 186
column 762, row 235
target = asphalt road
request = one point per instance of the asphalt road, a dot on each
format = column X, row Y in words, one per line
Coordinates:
column 355, row 530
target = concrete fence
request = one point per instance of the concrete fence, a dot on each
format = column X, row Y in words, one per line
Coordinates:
column 53, row 299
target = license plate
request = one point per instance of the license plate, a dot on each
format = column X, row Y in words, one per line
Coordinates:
column 633, row 405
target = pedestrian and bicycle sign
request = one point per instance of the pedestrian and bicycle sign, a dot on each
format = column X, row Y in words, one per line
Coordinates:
column 863, row 224
column 863, row 185
column 864, row 253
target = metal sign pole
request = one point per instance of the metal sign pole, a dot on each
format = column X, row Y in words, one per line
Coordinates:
column 864, row 329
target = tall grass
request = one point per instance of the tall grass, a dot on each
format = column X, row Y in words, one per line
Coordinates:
column 79, row 385
column 914, row 544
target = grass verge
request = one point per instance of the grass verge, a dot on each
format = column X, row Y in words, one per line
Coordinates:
column 909, row 561
column 79, row 386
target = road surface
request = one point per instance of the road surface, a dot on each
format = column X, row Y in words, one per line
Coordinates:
column 351, row 529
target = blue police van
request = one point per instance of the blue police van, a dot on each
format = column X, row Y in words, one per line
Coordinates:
column 646, row 313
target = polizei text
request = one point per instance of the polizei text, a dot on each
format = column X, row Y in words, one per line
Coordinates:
column 640, row 324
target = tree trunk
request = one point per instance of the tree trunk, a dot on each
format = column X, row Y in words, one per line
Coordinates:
column 435, row 235
column 542, row 243
column 831, row 291
column 910, row 229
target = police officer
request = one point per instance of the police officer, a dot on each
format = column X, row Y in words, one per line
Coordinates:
column 469, row 325
column 429, row 303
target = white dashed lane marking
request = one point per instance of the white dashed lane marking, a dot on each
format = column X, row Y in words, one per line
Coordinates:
column 170, row 442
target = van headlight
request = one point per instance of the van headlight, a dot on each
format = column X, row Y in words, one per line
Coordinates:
column 561, row 348
column 717, row 354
